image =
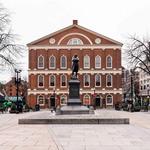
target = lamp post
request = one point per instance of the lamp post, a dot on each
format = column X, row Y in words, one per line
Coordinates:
column 148, row 92
column 54, row 95
column 17, row 82
column 94, row 98
column 147, row 102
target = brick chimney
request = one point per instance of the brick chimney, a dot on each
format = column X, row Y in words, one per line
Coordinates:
column 75, row 22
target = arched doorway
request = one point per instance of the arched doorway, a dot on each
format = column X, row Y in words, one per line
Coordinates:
column 98, row 101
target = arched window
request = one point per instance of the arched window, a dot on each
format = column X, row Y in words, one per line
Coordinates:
column 109, row 100
column 52, row 62
column 97, row 80
column 63, row 100
column 40, row 81
column 97, row 62
column 86, row 61
column 40, row 62
column 87, row 80
column 63, row 62
column 109, row 80
column 86, row 100
column 52, row 80
column 75, row 41
column 109, row 62
column 40, row 100
column 63, row 80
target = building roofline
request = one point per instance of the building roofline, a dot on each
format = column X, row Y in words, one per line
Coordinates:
column 69, row 27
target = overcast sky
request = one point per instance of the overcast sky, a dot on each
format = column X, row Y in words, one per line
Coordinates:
column 117, row 19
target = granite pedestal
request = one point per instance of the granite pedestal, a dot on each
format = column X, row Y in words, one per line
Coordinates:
column 74, row 103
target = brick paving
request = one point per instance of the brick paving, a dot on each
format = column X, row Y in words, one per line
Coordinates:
column 76, row 137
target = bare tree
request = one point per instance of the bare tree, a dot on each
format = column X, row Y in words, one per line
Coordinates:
column 9, row 50
column 138, row 53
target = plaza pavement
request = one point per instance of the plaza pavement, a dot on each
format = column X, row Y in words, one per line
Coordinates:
column 135, row 136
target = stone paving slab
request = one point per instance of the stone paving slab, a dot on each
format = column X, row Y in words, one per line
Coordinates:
column 134, row 136
column 100, row 137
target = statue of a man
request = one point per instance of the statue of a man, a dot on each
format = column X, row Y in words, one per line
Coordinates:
column 75, row 65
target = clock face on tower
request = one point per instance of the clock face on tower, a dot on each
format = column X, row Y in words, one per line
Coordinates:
column 52, row 41
column 97, row 40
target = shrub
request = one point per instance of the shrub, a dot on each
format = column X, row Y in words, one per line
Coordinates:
column 136, row 107
column 125, row 106
column 26, row 108
column 13, row 108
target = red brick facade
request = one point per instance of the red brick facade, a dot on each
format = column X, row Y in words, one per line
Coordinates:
column 10, row 88
column 98, row 55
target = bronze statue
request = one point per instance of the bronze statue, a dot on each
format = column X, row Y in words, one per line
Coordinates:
column 75, row 66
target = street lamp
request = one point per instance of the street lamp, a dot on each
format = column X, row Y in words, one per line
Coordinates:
column 17, row 82
column 93, row 97
column 147, row 102
column 54, row 96
column 148, row 92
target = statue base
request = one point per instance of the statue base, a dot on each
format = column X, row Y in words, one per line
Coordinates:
column 74, row 103
column 74, row 110
column 74, row 92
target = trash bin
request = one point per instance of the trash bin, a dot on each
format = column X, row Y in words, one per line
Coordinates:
column 37, row 107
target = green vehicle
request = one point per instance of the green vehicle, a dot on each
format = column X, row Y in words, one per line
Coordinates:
column 7, row 104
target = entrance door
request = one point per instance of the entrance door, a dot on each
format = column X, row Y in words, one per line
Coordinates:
column 52, row 101
column 97, row 101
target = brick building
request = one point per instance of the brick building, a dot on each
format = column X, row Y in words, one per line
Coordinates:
column 50, row 61
column 10, row 88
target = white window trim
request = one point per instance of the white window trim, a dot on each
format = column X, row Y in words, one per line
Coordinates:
column 65, row 99
column 38, row 62
column 111, row 61
column 43, row 100
column 59, row 42
column 111, row 80
column 100, row 80
column 84, row 62
column 50, row 81
column 70, row 42
column 43, row 81
column 89, row 98
column 54, row 62
column 100, row 62
column 109, row 104
column 61, row 81
column 61, row 62
column 84, row 80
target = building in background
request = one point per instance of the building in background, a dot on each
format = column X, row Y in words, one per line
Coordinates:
column 50, row 61
column 144, row 81
column 10, row 89
column 130, row 84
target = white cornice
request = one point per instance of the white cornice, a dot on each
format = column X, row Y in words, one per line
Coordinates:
column 69, row 72
column 80, row 47
column 59, row 42
column 81, row 92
